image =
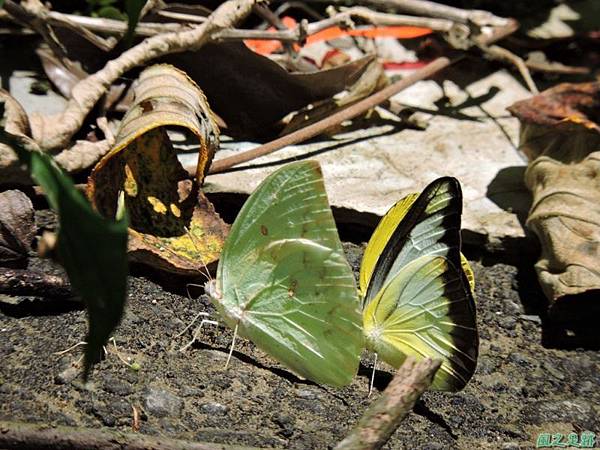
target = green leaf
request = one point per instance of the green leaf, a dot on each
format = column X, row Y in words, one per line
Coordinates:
column 133, row 8
column 1, row 3
column 110, row 12
column 93, row 248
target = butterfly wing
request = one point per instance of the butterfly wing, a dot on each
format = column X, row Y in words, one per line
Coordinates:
column 418, row 225
column 284, row 281
column 426, row 310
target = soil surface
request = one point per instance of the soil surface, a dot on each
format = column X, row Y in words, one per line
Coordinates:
column 520, row 388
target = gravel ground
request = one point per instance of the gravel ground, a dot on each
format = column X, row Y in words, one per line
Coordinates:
column 520, row 388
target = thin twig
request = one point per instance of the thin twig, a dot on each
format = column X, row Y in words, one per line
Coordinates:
column 297, row 34
column 351, row 112
column 385, row 19
column 502, row 54
column 433, row 9
column 384, row 415
column 112, row 26
column 55, row 132
column 23, row 436
column 317, row 128
column 182, row 17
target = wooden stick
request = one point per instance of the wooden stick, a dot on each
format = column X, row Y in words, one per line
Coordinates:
column 351, row 112
column 24, row 436
column 382, row 418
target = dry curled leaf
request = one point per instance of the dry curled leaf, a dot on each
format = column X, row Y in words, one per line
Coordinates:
column 17, row 227
column 172, row 226
column 560, row 133
column 16, row 122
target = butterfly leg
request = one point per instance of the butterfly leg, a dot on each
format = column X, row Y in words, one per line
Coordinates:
column 232, row 344
column 372, row 376
column 198, row 329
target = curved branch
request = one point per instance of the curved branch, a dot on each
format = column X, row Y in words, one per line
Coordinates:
column 55, row 132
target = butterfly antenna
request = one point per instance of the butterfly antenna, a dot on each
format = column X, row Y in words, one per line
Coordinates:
column 204, row 266
column 372, row 376
column 232, row 345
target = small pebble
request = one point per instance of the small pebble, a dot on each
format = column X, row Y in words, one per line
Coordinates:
column 67, row 375
column 214, row 408
column 161, row 403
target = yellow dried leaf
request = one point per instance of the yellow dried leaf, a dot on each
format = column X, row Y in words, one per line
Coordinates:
column 172, row 225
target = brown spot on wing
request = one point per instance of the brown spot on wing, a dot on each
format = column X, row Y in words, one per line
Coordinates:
column 264, row 230
column 292, row 289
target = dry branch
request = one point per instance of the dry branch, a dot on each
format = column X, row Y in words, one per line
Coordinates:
column 56, row 132
column 384, row 415
column 353, row 111
column 502, row 54
column 297, row 34
column 23, row 436
column 317, row 128
column 433, row 9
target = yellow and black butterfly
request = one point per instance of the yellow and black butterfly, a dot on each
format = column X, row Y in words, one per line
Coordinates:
column 417, row 288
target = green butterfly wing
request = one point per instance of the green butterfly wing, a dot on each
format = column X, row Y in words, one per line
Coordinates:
column 431, row 226
column 426, row 310
column 284, row 281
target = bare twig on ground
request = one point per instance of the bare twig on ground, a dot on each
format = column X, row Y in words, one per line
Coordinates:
column 353, row 111
column 181, row 16
column 29, row 282
column 433, row 9
column 113, row 26
column 297, row 34
column 384, row 415
column 23, row 436
column 317, row 128
column 386, row 19
column 502, row 54
column 55, row 132
column 32, row 16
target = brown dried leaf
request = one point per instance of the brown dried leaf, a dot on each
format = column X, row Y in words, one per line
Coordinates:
column 17, row 123
column 371, row 80
column 63, row 78
column 165, row 209
column 561, row 135
column 563, row 109
column 17, row 227
column 250, row 92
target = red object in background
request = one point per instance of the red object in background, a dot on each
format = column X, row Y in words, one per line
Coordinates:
column 266, row 47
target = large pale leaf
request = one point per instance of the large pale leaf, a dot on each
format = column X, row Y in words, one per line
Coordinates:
column 92, row 247
column 560, row 133
column 173, row 226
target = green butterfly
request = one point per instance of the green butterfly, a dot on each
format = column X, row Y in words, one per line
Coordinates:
column 417, row 286
column 283, row 281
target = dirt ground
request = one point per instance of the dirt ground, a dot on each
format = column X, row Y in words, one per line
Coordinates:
column 520, row 388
